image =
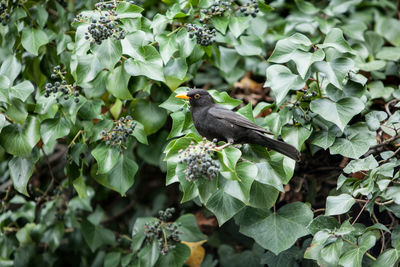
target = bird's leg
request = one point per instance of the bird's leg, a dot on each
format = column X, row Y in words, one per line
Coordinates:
column 218, row 148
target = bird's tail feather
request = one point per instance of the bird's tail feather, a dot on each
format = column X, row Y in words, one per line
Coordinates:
column 279, row 146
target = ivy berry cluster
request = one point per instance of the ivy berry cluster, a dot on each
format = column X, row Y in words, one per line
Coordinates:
column 250, row 9
column 67, row 90
column 123, row 128
column 105, row 26
column 166, row 233
column 218, row 8
column 205, row 36
column 199, row 160
column 4, row 16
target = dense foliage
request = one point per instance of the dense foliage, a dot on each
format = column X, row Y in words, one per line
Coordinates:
column 94, row 145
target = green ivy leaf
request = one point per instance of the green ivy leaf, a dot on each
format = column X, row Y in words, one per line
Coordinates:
column 237, row 25
column 80, row 186
column 340, row 204
column 296, row 48
column 282, row 80
column 335, row 70
column 353, row 257
column 189, row 228
column 106, row 157
column 149, row 115
column 52, row 129
column 340, row 112
column 220, row 23
column 250, row 46
column 280, row 230
column 224, row 206
column 117, row 83
column 296, row 136
column 147, row 62
column 19, row 140
column 353, row 147
column 32, row 39
column 127, row 10
column 21, row 169
column 85, row 68
column 335, row 39
column 168, row 46
column 324, row 138
column 96, row 235
column 108, row 52
column 176, row 257
column 21, row 90
column 121, row 177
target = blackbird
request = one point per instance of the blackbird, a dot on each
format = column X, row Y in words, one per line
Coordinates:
column 215, row 121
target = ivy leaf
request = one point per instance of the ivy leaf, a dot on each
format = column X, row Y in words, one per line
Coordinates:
column 237, row 25
column 175, row 257
column 21, row 169
column 52, row 129
column 168, row 46
column 147, row 62
column 21, row 90
column 353, row 257
column 32, row 39
column 117, row 83
column 220, row 23
column 108, row 52
column 282, row 80
column 128, row 10
column 336, row 205
column 364, row 164
column 190, row 231
column 185, row 43
column 149, row 115
column 306, row 7
column 335, row 70
column 106, row 157
column 296, row 136
column 335, row 39
column 280, row 230
column 224, row 206
column 374, row 118
column 96, row 235
column 389, row 28
column 18, row 140
column 354, row 147
column 340, row 112
column 139, row 133
column 85, row 68
column 250, row 46
column 175, row 72
column 324, row 138
column 121, row 177
column 296, row 48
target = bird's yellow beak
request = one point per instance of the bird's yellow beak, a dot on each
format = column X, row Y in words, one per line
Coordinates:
column 182, row 96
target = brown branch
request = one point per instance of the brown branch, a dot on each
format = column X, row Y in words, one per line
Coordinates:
column 359, row 214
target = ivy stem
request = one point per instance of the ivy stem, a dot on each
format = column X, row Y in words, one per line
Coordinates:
column 168, row 35
column 76, row 136
column 355, row 245
column 318, row 87
column 362, row 209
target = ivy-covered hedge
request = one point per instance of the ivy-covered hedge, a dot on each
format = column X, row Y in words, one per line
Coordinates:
column 93, row 141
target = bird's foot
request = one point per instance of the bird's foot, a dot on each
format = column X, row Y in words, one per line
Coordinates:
column 219, row 148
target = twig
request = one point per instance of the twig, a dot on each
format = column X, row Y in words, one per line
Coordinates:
column 319, row 210
column 359, row 214
column 382, row 233
column 387, row 106
column 76, row 136
column 384, row 203
column 387, row 141
column 4, row 187
column 392, row 156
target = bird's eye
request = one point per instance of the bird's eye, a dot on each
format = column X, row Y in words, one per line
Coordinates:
column 196, row 96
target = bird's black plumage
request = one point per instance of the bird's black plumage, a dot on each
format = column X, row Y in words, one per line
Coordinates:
column 215, row 121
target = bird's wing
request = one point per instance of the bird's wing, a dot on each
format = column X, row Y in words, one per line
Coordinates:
column 234, row 118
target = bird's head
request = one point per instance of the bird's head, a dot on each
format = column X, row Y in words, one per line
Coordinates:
column 197, row 97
